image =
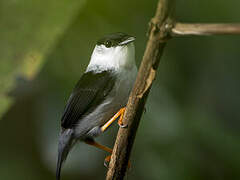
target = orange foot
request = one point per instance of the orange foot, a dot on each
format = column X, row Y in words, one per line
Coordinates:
column 107, row 161
column 120, row 121
column 119, row 115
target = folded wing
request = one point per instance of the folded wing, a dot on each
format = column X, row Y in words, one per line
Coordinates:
column 89, row 92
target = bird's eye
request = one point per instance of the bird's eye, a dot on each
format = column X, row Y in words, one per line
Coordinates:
column 108, row 44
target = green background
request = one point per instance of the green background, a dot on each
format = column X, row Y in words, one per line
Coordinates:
column 190, row 130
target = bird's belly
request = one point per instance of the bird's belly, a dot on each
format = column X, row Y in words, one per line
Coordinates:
column 90, row 125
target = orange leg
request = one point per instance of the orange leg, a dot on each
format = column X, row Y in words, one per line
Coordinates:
column 105, row 148
column 91, row 142
column 119, row 114
column 97, row 145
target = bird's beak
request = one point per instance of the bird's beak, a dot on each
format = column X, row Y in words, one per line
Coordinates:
column 128, row 40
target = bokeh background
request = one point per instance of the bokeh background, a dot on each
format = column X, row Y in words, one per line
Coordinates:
column 190, row 130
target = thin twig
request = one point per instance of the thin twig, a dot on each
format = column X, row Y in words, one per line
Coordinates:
column 158, row 35
column 184, row 29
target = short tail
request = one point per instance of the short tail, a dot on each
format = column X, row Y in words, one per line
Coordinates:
column 64, row 146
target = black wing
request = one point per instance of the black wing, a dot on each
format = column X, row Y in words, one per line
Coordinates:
column 90, row 91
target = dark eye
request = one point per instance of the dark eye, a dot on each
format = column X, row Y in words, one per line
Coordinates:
column 108, row 44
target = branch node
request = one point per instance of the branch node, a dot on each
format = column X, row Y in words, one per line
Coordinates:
column 153, row 26
column 161, row 30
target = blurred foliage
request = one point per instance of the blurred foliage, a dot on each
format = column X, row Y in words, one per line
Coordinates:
column 191, row 126
column 29, row 30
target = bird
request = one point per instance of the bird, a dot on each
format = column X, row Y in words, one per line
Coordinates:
column 100, row 96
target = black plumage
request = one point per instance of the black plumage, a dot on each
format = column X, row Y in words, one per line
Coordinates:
column 89, row 92
column 113, row 40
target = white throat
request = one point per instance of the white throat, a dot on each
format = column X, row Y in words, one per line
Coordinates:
column 113, row 58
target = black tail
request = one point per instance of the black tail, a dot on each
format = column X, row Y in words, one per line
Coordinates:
column 64, row 146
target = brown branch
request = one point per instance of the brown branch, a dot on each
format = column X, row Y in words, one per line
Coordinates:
column 184, row 29
column 158, row 35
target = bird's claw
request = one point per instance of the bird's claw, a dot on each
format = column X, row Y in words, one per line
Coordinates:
column 107, row 161
column 123, row 125
column 105, row 164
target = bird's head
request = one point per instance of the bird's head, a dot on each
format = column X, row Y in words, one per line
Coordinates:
column 114, row 40
column 113, row 51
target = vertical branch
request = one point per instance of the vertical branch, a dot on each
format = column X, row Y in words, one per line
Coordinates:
column 158, row 36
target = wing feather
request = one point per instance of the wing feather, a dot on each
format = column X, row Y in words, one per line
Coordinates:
column 88, row 93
